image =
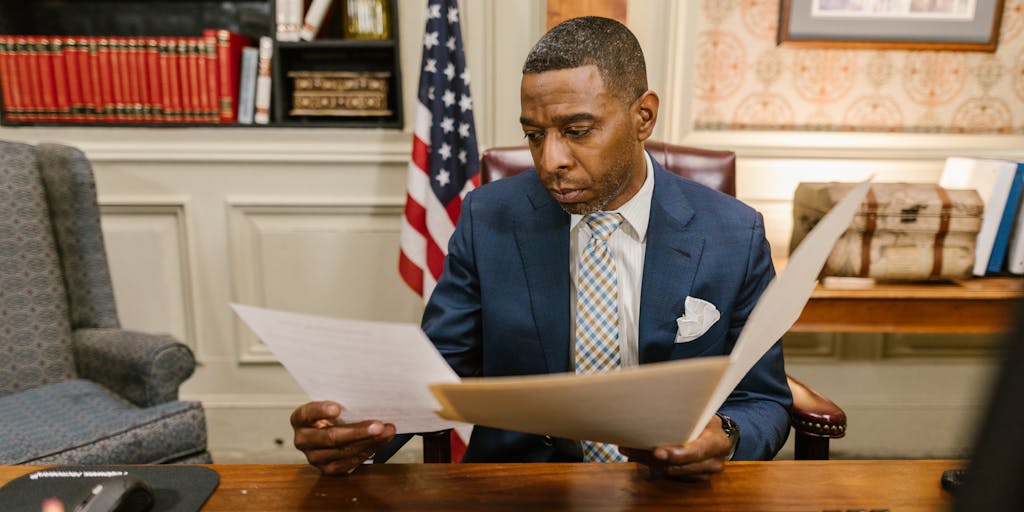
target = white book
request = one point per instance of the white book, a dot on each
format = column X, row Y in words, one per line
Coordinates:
column 247, row 85
column 263, row 81
column 288, row 18
column 314, row 17
column 992, row 180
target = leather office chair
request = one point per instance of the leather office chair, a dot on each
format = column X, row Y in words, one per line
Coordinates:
column 815, row 418
column 75, row 388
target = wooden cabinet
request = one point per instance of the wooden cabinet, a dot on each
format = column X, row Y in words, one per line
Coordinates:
column 330, row 51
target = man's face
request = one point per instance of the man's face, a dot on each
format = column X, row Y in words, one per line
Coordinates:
column 584, row 140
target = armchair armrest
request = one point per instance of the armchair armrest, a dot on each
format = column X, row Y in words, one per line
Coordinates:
column 145, row 369
column 815, row 419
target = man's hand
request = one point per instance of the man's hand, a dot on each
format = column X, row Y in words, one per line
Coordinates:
column 335, row 447
column 698, row 458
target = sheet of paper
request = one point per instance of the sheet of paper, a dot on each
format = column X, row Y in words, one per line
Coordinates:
column 640, row 408
column 784, row 298
column 375, row 370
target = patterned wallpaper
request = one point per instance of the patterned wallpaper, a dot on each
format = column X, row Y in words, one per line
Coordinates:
column 743, row 81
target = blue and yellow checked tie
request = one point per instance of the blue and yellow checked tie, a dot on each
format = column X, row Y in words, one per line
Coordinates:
column 597, row 316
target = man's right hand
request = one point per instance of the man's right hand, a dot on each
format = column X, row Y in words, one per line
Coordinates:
column 335, row 447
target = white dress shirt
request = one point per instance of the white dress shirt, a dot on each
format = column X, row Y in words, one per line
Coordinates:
column 628, row 245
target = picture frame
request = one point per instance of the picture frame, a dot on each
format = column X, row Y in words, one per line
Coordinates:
column 961, row 25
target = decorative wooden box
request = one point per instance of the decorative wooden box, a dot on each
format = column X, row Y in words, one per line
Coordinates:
column 340, row 93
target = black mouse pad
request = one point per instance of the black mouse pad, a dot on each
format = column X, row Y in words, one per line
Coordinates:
column 175, row 488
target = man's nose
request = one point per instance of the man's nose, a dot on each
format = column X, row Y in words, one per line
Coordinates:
column 555, row 154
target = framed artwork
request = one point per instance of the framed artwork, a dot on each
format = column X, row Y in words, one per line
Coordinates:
column 965, row 25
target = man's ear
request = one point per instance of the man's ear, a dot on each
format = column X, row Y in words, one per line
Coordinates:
column 647, row 114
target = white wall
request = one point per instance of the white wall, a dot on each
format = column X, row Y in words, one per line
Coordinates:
column 308, row 220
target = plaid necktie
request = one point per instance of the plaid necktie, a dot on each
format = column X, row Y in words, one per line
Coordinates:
column 597, row 316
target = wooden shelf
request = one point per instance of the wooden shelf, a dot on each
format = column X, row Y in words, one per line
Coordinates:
column 983, row 305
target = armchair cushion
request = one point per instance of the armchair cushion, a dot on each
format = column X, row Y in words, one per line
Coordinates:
column 144, row 368
column 80, row 422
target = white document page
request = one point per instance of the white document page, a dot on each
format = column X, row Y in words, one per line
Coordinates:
column 784, row 298
column 375, row 370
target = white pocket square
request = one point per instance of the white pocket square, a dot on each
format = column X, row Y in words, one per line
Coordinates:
column 698, row 316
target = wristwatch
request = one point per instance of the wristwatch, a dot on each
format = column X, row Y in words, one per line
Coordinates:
column 732, row 430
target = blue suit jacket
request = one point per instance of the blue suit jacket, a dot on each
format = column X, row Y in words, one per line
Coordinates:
column 502, row 305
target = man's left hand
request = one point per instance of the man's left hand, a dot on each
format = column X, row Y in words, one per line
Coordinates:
column 700, row 458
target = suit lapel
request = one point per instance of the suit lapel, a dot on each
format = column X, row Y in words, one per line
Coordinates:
column 542, row 235
column 670, row 265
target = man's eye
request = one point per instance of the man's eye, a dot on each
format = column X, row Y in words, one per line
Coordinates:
column 577, row 132
column 533, row 136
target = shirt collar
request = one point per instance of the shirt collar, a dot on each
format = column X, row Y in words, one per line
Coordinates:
column 636, row 213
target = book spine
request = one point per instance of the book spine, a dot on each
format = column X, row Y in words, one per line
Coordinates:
column 1001, row 244
column 137, row 55
column 263, row 81
column 151, row 60
column 24, row 77
column 60, row 79
column 211, row 76
column 100, row 88
column 8, row 83
column 288, row 17
column 314, row 18
column 37, row 107
column 75, row 102
column 118, row 77
column 247, row 85
column 46, row 80
column 229, row 61
column 184, row 84
column 1015, row 252
column 176, row 103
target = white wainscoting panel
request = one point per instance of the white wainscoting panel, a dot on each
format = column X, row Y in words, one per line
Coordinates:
column 325, row 259
column 147, row 242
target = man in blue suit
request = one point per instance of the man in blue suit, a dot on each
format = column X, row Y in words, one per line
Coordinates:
column 513, row 298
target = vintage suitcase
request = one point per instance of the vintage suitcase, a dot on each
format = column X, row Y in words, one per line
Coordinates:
column 901, row 232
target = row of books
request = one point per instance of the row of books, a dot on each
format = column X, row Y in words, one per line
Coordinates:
column 93, row 79
column 1000, row 244
column 363, row 19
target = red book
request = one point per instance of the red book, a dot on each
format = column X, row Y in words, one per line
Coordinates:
column 168, row 76
column 104, row 79
column 200, row 83
column 76, row 105
column 151, row 59
column 131, row 80
column 188, row 107
column 45, row 79
column 8, row 82
column 30, row 80
column 120, row 76
column 60, row 79
column 229, row 61
column 209, row 80
column 87, row 77
column 173, row 81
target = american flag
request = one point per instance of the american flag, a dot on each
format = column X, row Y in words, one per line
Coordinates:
column 445, row 163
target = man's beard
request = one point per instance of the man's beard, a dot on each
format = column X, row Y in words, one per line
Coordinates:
column 613, row 182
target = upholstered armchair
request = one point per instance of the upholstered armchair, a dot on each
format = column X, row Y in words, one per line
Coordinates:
column 75, row 388
column 815, row 418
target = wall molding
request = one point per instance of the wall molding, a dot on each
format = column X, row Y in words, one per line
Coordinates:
column 178, row 209
column 246, row 260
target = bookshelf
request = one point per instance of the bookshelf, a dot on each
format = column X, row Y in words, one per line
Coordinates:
column 142, row 19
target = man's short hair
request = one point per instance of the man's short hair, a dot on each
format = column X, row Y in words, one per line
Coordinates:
column 592, row 40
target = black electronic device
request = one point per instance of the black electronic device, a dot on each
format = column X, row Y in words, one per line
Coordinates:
column 125, row 493
column 992, row 481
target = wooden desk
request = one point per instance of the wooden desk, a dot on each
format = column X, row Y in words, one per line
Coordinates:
column 904, row 486
column 985, row 305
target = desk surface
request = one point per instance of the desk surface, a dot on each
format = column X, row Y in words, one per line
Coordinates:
column 986, row 305
column 905, row 486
